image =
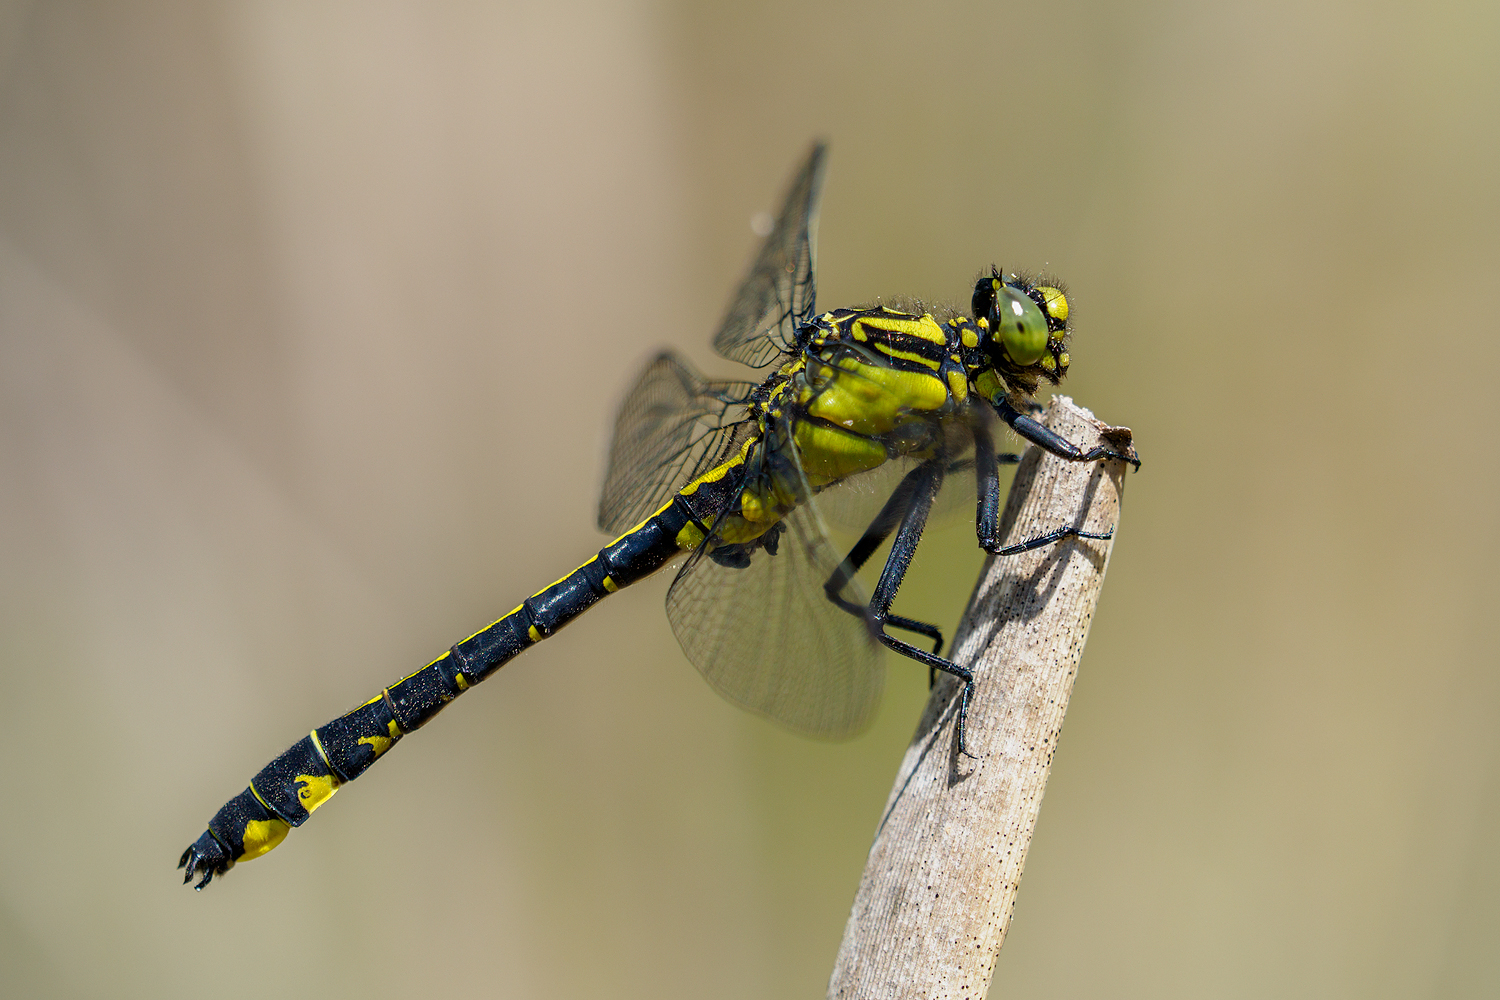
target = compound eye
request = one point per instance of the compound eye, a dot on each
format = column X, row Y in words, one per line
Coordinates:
column 1019, row 325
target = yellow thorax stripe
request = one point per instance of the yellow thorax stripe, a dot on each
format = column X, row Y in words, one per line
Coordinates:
column 908, row 356
column 921, row 327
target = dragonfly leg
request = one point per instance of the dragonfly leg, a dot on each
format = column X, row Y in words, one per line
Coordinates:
column 885, row 522
column 987, row 473
column 925, row 482
column 1044, row 437
column 1050, row 537
column 987, row 478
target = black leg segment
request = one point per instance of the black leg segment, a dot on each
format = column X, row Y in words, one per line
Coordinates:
column 909, row 507
column 885, row 522
column 1044, row 437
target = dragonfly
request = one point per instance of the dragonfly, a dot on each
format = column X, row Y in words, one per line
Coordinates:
column 730, row 480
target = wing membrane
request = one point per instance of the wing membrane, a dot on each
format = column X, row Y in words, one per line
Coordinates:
column 779, row 293
column 767, row 637
column 852, row 504
column 675, row 425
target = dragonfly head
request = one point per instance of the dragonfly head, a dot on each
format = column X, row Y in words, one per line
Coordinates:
column 1026, row 325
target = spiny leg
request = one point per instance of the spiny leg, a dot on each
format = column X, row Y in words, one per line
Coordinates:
column 987, row 474
column 1045, row 437
column 923, row 484
column 1050, row 537
column 987, row 479
column 879, row 530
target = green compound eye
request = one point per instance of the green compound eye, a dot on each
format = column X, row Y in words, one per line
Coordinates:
column 1019, row 325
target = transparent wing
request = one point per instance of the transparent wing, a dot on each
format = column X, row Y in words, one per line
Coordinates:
column 852, row 504
column 767, row 637
column 674, row 426
column 779, row 293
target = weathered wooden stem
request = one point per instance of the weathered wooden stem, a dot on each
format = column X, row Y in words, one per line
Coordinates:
column 940, row 884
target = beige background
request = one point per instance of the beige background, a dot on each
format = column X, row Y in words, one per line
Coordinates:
column 312, row 321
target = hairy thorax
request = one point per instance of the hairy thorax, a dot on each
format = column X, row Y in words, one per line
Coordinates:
column 869, row 385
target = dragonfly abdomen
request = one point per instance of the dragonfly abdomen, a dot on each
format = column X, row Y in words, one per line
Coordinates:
column 764, row 607
column 287, row 791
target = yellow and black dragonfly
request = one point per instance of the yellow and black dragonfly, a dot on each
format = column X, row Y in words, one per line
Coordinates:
column 734, row 478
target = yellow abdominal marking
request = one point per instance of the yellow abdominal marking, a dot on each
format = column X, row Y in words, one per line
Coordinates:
column 718, row 472
column 491, row 625
column 690, row 537
column 314, row 790
column 261, row 835
column 381, row 744
column 377, row 743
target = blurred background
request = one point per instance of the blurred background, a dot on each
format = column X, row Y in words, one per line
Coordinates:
column 313, row 320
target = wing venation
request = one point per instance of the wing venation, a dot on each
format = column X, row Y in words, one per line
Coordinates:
column 674, row 426
column 763, row 632
column 780, row 292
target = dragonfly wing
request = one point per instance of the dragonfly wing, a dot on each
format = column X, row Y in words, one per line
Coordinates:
column 779, row 293
column 850, row 505
column 674, row 426
column 766, row 635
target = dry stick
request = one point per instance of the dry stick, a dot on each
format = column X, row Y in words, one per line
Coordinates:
column 940, row 884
